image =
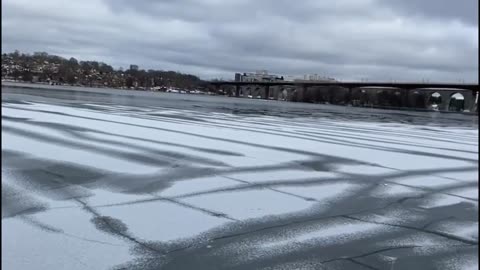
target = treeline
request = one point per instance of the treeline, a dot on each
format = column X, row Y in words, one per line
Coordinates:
column 43, row 67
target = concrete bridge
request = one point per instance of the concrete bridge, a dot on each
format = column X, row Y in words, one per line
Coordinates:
column 407, row 90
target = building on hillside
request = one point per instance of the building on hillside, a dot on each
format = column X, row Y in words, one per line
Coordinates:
column 315, row 78
column 258, row 76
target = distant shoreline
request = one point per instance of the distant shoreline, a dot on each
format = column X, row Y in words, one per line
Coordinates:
column 49, row 86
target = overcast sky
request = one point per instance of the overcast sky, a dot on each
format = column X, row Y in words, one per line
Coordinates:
column 404, row 40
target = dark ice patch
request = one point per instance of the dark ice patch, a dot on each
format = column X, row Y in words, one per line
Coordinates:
column 110, row 225
column 17, row 202
column 180, row 117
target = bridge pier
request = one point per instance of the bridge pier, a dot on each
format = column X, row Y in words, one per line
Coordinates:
column 237, row 90
column 267, row 91
column 474, row 104
column 406, row 98
column 349, row 95
column 278, row 92
column 445, row 106
column 302, row 97
column 217, row 89
column 469, row 101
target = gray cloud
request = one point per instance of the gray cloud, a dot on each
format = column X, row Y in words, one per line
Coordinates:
column 462, row 10
column 346, row 39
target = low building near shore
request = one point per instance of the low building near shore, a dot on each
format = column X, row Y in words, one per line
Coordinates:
column 258, row 76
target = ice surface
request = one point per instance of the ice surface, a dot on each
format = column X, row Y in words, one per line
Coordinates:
column 324, row 193
column 282, row 174
column 393, row 215
column 468, row 192
column 427, row 181
column 465, row 262
column 257, row 186
column 200, row 184
column 469, row 176
column 391, row 190
column 439, row 200
column 162, row 221
column 250, row 204
column 416, row 239
column 102, row 197
column 79, row 156
column 324, row 234
column 27, row 247
column 364, row 169
column 464, row 229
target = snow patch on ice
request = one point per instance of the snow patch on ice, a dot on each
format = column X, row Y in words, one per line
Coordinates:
column 198, row 185
column 250, row 204
column 439, row 200
column 324, row 192
column 332, row 233
column 364, row 169
column 281, row 175
column 47, row 250
column 162, row 221
column 464, row 229
column 389, row 190
column 461, row 262
column 426, row 181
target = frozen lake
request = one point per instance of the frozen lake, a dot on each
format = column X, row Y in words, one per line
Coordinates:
column 112, row 179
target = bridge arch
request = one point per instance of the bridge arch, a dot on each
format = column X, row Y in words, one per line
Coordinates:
column 246, row 91
column 431, row 97
column 434, row 100
column 456, row 102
